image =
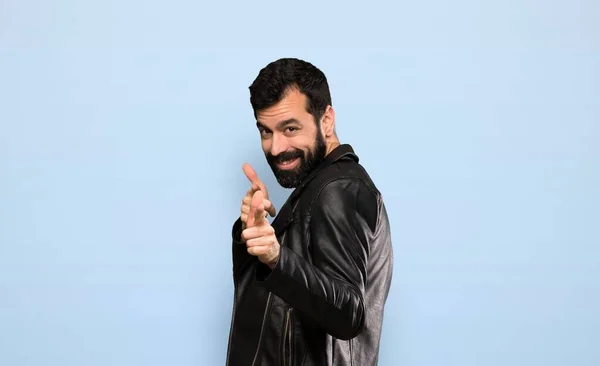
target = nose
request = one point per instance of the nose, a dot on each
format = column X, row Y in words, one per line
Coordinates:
column 279, row 144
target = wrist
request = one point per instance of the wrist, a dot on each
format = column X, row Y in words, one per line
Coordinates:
column 273, row 263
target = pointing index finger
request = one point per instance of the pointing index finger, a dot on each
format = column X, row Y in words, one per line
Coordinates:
column 257, row 209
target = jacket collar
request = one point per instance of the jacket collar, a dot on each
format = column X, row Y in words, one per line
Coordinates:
column 339, row 152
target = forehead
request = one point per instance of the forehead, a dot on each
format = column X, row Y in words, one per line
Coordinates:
column 291, row 106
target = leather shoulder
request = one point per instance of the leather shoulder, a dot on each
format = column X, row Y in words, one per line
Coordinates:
column 345, row 179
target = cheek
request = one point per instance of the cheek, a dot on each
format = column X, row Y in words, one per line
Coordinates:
column 304, row 143
column 266, row 145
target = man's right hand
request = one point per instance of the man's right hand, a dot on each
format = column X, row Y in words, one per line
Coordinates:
column 256, row 186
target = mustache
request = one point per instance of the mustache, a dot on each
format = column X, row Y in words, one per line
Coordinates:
column 286, row 155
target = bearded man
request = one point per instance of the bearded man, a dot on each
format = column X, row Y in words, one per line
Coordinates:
column 310, row 288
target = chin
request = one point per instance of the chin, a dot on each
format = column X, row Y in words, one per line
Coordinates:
column 287, row 185
column 288, row 182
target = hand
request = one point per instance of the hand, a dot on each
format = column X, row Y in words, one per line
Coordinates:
column 259, row 235
column 256, row 186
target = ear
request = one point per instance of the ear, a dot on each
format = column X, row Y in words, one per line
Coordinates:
column 328, row 122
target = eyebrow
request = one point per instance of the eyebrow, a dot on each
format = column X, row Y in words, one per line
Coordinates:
column 280, row 125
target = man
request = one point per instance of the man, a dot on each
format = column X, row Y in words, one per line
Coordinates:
column 310, row 288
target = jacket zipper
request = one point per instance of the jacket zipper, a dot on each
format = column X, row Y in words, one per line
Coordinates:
column 288, row 334
column 262, row 329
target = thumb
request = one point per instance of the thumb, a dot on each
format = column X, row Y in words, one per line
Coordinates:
column 269, row 207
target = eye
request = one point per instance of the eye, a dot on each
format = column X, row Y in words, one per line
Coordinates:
column 264, row 132
column 291, row 129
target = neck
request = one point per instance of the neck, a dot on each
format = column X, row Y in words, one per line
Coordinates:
column 331, row 144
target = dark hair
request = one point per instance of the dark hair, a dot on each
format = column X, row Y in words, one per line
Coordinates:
column 279, row 76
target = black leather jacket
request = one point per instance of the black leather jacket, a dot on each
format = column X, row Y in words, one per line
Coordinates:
column 323, row 302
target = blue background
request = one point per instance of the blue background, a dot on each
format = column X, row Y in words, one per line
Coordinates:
column 124, row 126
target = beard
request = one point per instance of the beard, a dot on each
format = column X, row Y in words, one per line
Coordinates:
column 309, row 160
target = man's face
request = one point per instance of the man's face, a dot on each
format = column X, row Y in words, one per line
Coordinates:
column 291, row 140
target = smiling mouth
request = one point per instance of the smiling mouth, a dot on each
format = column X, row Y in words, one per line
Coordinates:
column 288, row 164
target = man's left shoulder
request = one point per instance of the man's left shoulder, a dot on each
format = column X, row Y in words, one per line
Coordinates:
column 343, row 190
column 343, row 184
column 346, row 173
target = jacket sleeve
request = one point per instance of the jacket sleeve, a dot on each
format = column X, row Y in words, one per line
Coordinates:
column 240, row 255
column 330, row 289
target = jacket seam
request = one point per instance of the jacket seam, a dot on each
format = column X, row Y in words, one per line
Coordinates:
column 351, row 355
